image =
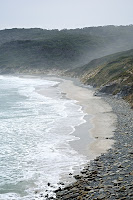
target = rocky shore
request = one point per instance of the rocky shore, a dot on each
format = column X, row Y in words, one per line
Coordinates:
column 110, row 175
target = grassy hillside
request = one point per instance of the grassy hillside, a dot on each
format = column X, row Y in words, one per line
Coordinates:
column 64, row 52
column 107, row 33
column 112, row 75
column 41, row 50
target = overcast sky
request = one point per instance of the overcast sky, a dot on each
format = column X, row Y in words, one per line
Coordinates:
column 60, row 14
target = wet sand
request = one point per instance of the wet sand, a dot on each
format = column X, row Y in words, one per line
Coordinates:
column 108, row 176
column 103, row 120
column 96, row 134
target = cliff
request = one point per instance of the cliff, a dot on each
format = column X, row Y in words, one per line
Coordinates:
column 112, row 74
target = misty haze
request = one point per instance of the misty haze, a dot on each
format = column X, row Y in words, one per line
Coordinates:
column 66, row 100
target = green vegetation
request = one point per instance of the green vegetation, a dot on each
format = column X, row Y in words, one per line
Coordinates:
column 103, row 53
column 60, row 52
column 41, row 50
column 114, row 75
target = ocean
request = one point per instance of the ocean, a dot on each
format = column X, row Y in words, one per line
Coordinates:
column 35, row 134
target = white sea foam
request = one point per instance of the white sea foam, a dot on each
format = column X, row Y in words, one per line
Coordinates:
column 34, row 138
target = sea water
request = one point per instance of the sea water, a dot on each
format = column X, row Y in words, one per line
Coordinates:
column 35, row 130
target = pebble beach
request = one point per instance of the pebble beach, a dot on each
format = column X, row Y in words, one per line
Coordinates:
column 108, row 176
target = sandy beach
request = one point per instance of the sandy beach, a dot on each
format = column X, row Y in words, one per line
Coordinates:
column 102, row 118
column 95, row 136
column 108, row 176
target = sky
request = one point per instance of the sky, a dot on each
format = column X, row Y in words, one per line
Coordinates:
column 64, row 14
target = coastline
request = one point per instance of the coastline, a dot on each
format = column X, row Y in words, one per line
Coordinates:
column 100, row 115
column 95, row 135
column 110, row 175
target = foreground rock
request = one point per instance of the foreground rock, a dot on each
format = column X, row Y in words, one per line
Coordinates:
column 109, row 176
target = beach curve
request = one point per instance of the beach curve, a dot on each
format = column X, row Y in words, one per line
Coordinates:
column 103, row 119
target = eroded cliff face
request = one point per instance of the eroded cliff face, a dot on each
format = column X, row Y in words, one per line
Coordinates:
column 114, row 77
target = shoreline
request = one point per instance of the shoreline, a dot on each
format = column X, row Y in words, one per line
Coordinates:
column 110, row 175
column 95, row 135
column 99, row 114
